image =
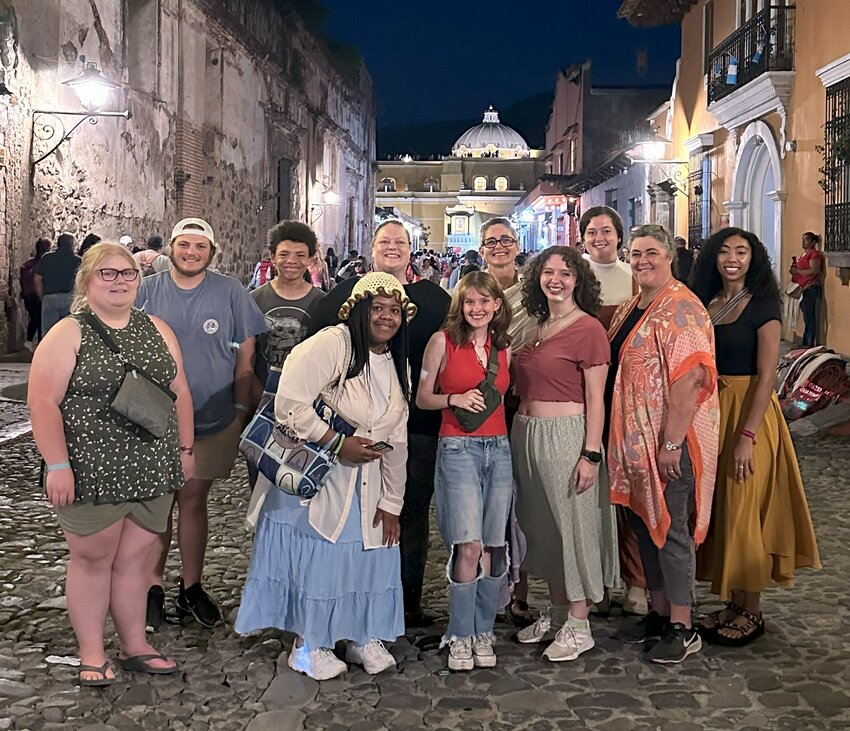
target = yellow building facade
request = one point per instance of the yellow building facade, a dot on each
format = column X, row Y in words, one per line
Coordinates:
column 760, row 109
column 490, row 168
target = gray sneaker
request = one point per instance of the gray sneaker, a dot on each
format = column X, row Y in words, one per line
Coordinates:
column 677, row 642
column 646, row 629
column 540, row 631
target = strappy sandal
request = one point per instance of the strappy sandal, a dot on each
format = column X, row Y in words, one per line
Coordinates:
column 100, row 682
column 141, row 664
column 747, row 632
column 517, row 611
column 709, row 630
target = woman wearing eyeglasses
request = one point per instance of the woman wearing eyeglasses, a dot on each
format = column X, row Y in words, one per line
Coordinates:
column 110, row 481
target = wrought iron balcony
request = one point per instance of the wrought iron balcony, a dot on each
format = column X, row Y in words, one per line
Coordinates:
column 764, row 43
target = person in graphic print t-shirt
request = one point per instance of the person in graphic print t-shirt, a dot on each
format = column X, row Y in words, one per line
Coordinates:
column 215, row 321
column 286, row 299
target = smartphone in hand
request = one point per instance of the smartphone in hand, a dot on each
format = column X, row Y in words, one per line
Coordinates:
column 381, row 447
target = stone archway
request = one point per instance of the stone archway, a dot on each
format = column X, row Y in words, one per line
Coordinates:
column 758, row 189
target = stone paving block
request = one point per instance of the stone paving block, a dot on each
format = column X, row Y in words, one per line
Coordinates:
column 280, row 720
column 290, row 690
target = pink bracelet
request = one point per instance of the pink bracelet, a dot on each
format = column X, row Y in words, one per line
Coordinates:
column 747, row 433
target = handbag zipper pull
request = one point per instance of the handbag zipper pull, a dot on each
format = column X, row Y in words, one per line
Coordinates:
column 135, row 373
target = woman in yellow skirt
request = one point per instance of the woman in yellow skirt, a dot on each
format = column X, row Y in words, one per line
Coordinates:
column 761, row 530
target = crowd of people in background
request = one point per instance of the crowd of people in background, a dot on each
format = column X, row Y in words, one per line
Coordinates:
column 607, row 426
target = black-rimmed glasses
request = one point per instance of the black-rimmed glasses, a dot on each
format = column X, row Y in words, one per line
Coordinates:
column 506, row 241
column 110, row 275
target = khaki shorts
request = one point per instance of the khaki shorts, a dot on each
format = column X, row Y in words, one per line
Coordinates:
column 85, row 519
column 215, row 454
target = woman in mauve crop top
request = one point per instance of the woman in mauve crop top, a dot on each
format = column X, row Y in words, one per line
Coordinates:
column 473, row 480
column 556, row 444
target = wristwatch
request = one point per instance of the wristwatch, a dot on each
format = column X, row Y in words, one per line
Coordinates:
column 594, row 457
column 672, row 446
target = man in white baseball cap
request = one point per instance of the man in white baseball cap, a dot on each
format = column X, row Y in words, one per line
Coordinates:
column 216, row 322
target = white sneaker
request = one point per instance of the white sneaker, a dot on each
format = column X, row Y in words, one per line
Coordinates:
column 483, row 654
column 569, row 643
column 540, row 631
column 460, row 654
column 373, row 656
column 319, row 664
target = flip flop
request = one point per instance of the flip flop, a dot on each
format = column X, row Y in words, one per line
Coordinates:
column 94, row 682
column 140, row 664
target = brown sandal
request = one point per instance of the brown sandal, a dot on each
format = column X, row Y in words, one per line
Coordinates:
column 751, row 630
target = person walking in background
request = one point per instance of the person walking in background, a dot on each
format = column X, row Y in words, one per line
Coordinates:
column 89, row 241
column 807, row 271
column 391, row 254
column 111, row 482
column 318, row 269
column 761, row 530
column 327, row 569
column 54, row 281
column 683, row 260
column 151, row 259
column 662, row 449
column 264, row 272
column 216, row 322
column 556, row 442
column 332, row 260
column 29, row 293
column 473, row 474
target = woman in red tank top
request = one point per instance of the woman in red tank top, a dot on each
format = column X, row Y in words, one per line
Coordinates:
column 473, row 481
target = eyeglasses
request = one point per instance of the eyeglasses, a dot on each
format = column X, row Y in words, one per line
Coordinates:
column 110, row 275
column 398, row 243
column 506, row 241
column 654, row 227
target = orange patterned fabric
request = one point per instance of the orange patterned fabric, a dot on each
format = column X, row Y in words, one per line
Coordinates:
column 672, row 337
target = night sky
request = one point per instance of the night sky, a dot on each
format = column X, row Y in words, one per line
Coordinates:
column 450, row 59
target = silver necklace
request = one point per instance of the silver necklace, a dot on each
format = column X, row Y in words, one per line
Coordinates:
column 541, row 328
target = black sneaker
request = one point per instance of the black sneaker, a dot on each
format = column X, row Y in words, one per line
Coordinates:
column 646, row 629
column 156, row 609
column 195, row 601
column 677, row 642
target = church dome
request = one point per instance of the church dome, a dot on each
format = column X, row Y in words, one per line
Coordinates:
column 491, row 138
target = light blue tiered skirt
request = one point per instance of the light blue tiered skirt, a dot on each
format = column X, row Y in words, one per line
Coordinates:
column 324, row 592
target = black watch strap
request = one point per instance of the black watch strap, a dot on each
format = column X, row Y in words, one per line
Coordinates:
column 595, row 457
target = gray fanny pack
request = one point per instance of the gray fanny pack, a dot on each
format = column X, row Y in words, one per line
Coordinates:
column 140, row 398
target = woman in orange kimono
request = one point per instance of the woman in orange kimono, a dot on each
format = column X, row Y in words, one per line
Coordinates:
column 662, row 451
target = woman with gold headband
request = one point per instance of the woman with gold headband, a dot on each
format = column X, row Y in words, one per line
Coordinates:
column 328, row 569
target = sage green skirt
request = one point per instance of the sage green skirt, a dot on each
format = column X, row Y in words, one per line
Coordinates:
column 86, row 519
column 572, row 539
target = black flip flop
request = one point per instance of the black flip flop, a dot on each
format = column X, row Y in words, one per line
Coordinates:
column 140, row 664
column 94, row 682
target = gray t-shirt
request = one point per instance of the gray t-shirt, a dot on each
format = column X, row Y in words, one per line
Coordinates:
column 286, row 323
column 210, row 322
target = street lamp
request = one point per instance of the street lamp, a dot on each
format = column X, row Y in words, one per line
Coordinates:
column 92, row 89
column 651, row 151
column 329, row 198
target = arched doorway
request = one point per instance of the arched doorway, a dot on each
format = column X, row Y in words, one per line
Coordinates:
column 759, row 191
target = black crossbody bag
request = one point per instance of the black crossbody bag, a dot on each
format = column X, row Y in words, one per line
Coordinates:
column 140, row 398
column 470, row 421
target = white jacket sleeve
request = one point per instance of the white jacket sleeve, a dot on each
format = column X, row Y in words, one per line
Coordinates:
column 309, row 369
column 394, row 470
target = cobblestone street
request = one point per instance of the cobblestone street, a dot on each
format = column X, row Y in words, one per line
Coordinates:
column 796, row 677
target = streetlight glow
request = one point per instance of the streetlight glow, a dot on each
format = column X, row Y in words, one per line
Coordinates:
column 91, row 87
column 330, row 197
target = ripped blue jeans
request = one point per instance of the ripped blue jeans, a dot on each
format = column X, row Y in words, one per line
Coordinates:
column 473, row 487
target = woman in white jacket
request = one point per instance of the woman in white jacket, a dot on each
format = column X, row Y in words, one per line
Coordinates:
column 328, row 569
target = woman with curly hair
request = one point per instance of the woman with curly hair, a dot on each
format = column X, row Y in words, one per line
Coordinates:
column 761, row 530
column 560, row 376
column 473, row 475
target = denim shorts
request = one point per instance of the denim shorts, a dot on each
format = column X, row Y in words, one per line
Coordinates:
column 474, row 486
